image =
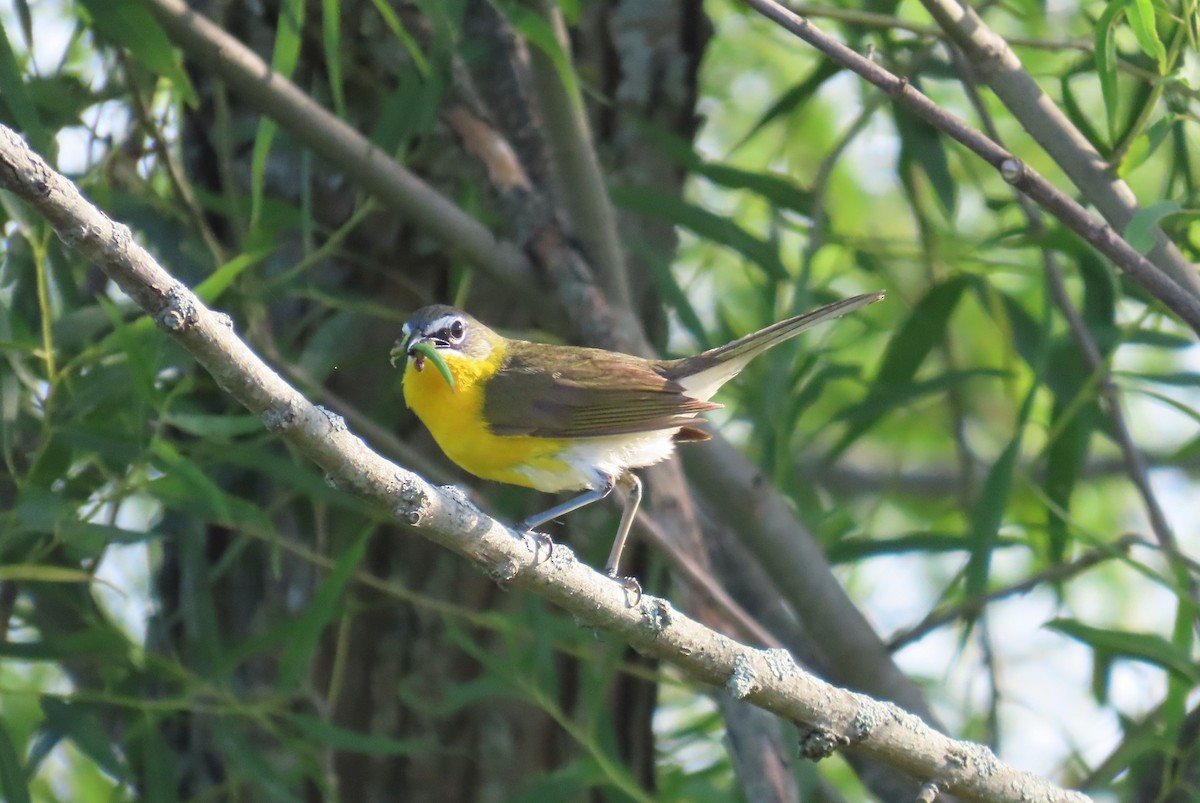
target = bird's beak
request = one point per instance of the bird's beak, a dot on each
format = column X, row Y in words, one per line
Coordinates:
column 399, row 350
column 421, row 349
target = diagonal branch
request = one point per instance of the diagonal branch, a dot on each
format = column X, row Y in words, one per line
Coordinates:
column 769, row 679
column 332, row 139
column 1024, row 178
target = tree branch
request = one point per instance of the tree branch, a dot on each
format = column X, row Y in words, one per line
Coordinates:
column 332, row 139
column 1018, row 174
column 769, row 679
column 580, row 182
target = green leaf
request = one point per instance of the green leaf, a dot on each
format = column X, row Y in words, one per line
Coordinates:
column 988, row 516
column 42, row 573
column 703, row 223
column 1176, row 378
column 538, row 31
column 307, row 629
column 779, row 189
column 212, row 288
column 1105, row 53
column 95, row 643
column 1068, row 452
column 159, row 768
column 331, row 28
column 793, row 99
column 1144, row 647
column 1099, row 311
column 221, row 427
column 1079, row 118
column 921, row 144
column 669, row 289
column 16, row 102
column 288, row 34
column 924, row 328
column 82, row 726
column 1139, row 233
column 12, row 775
column 868, row 412
column 401, row 33
column 318, row 730
column 130, row 24
column 1140, row 14
column 1146, row 144
column 408, row 111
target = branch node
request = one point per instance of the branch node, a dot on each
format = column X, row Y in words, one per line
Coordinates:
column 180, row 312
column 1012, row 170
column 331, row 480
column 928, row 793
column 414, row 503
column 504, row 572
column 868, row 716
column 978, row 759
column 780, row 662
column 819, row 743
column 278, row 419
column 658, row 614
column 744, row 679
column 336, row 422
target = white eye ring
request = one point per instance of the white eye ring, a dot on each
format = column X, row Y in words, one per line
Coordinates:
column 457, row 330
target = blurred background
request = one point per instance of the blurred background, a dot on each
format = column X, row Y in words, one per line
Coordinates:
column 977, row 498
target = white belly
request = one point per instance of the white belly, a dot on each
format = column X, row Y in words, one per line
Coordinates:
column 591, row 460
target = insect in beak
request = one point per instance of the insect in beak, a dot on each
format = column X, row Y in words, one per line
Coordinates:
column 423, row 350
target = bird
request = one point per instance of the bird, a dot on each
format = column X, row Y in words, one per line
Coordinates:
column 560, row 418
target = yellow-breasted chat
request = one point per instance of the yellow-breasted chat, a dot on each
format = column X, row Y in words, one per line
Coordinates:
column 567, row 418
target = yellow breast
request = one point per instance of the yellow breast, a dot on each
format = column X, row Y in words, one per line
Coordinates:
column 455, row 419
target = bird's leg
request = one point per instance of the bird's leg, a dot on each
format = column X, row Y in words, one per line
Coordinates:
column 633, row 498
column 569, row 506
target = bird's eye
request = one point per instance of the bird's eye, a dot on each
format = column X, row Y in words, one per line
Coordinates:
column 457, row 330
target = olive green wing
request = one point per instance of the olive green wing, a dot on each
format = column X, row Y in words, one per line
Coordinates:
column 564, row 392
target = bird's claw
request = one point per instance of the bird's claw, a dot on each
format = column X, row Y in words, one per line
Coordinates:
column 631, row 586
column 540, row 540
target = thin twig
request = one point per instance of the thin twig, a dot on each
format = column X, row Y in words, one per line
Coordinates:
column 179, row 182
column 970, row 608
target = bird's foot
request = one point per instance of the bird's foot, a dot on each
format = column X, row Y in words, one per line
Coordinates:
column 631, row 587
column 540, row 540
